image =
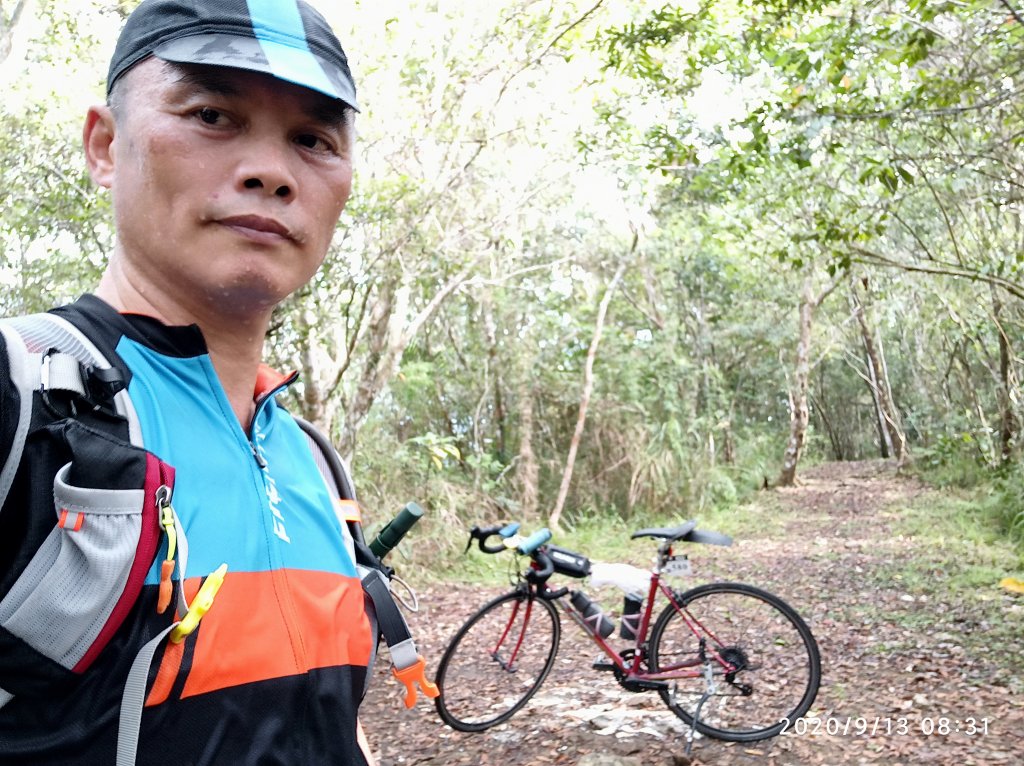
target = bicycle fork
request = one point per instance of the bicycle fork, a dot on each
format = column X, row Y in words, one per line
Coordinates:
column 495, row 653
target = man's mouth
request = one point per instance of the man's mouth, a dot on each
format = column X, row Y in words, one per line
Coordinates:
column 258, row 228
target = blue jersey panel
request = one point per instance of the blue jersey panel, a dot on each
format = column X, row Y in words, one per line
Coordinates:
column 253, row 522
column 304, row 511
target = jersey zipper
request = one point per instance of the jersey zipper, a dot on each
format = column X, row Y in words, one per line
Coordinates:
column 264, row 398
column 286, row 604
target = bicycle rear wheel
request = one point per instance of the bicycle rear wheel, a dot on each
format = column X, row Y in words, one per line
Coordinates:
column 497, row 661
column 764, row 662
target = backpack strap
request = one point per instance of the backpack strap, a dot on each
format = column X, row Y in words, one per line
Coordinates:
column 30, row 369
column 62, row 359
column 408, row 666
column 48, row 354
column 19, row 365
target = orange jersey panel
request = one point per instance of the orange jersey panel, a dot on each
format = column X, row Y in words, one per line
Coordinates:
column 265, row 625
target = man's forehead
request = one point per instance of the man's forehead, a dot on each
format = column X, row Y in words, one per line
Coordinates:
column 237, row 83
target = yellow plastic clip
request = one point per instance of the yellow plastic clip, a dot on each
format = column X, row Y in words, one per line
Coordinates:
column 167, row 567
column 200, row 605
column 167, row 522
column 413, row 675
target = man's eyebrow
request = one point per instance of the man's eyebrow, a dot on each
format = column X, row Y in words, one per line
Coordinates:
column 333, row 114
column 206, row 81
column 326, row 111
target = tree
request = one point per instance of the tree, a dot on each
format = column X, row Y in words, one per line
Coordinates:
column 588, row 388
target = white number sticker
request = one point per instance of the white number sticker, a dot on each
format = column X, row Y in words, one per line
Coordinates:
column 678, row 566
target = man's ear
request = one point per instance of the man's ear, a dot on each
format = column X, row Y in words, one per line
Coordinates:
column 98, row 139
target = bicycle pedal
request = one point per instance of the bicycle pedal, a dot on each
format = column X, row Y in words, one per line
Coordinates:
column 603, row 663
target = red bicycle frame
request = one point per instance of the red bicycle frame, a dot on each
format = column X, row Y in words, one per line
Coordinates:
column 633, row 668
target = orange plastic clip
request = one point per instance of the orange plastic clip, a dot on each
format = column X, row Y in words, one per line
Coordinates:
column 413, row 675
column 349, row 509
column 163, row 599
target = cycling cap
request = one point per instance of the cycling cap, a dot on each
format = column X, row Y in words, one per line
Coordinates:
column 287, row 39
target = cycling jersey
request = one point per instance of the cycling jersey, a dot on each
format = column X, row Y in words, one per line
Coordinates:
column 277, row 667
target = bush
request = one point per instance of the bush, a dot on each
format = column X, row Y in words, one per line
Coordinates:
column 1008, row 504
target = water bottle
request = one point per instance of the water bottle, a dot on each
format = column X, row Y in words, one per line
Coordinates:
column 630, row 624
column 592, row 614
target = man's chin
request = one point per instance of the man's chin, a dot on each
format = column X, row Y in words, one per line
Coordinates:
column 248, row 298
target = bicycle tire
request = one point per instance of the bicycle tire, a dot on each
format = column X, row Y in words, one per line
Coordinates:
column 478, row 689
column 779, row 659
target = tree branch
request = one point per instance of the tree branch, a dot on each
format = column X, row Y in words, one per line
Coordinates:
column 1013, row 288
column 536, row 60
column 1013, row 11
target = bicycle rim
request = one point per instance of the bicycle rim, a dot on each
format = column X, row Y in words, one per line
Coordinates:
column 764, row 661
column 497, row 661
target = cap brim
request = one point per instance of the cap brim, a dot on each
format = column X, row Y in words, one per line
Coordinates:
column 294, row 65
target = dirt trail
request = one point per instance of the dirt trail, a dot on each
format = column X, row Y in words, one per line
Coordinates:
column 906, row 662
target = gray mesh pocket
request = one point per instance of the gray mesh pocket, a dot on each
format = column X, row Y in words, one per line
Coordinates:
column 68, row 591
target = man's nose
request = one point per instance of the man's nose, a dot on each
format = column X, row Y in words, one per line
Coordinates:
column 254, row 182
column 267, row 169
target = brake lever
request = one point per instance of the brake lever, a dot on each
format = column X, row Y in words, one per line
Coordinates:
column 473, row 534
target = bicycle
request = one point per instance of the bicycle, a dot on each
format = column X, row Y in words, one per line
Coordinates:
column 734, row 662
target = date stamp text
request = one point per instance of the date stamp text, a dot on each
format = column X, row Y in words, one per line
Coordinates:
column 886, row 726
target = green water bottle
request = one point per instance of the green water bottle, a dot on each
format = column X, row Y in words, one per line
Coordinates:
column 395, row 530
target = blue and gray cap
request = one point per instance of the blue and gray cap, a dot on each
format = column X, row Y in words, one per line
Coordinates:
column 287, row 39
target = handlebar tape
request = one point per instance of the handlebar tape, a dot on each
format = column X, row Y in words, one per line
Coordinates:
column 395, row 530
column 534, row 541
column 509, row 529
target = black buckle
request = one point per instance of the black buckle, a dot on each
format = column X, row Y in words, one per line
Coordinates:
column 103, row 384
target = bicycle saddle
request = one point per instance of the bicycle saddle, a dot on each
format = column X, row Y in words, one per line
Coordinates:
column 667, row 533
column 686, row 532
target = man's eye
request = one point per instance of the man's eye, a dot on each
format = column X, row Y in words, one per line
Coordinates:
column 311, row 141
column 208, row 115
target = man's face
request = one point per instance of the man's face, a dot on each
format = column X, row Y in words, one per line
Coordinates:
column 227, row 185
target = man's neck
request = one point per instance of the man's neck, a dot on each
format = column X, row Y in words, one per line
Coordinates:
column 235, row 343
column 236, row 357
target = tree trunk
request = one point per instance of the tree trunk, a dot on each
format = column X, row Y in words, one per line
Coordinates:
column 382, row 358
column 588, row 387
column 728, row 443
column 893, row 438
column 833, row 436
column 884, row 439
column 314, row 404
column 799, row 412
column 527, row 470
column 491, row 331
column 1008, row 425
column 388, row 336
column 897, row 433
column 7, row 27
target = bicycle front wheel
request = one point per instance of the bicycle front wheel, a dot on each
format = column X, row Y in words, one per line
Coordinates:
column 497, row 661
column 745, row 652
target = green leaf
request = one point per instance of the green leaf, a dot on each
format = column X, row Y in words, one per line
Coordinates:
column 888, row 178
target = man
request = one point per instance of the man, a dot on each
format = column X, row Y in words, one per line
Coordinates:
column 226, row 144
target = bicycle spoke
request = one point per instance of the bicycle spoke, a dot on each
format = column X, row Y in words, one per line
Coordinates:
column 764, row 663
column 496, row 662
